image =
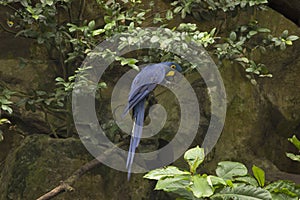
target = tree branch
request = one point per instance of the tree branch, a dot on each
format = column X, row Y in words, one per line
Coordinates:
column 66, row 186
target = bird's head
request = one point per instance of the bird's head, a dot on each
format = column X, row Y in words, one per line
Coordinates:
column 173, row 66
column 170, row 68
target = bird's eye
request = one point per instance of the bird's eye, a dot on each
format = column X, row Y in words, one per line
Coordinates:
column 173, row 66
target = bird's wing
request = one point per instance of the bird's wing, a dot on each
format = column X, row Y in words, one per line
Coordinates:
column 143, row 84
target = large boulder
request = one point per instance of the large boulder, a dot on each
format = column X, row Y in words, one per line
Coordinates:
column 40, row 163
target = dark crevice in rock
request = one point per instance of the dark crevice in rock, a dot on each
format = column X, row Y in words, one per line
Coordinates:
column 290, row 9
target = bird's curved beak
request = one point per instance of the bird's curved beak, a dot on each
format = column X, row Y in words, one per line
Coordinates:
column 170, row 73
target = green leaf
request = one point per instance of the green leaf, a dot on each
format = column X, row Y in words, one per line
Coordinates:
column 259, row 174
column 109, row 26
column 6, row 108
column 284, row 187
column 285, row 33
column 232, row 36
column 194, row 157
column 243, row 192
column 263, row 30
column 247, row 179
column 91, row 25
column 288, row 42
column 282, row 196
column 282, row 46
column 242, row 59
column 216, row 180
column 292, row 37
column 49, row 2
column 170, row 184
column 293, row 157
column 141, row 14
column 201, row 187
column 169, row 171
column 177, row 9
column 294, row 140
column 212, row 32
column 228, row 169
column 251, row 33
column 5, row 101
column 59, row 79
column 4, row 121
column 154, row 39
column 169, row 15
column 102, row 85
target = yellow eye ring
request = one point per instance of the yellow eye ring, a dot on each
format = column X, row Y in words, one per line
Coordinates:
column 173, row 66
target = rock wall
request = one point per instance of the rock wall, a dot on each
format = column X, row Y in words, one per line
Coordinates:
column 259, row 120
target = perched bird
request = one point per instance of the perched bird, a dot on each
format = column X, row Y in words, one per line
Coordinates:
column 144, row 83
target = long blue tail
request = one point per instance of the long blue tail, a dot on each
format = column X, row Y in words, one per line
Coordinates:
column 138, row 122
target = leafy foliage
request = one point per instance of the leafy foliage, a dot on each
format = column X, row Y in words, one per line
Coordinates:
column 5, row 102
column 5, row 106
column 186, row 6
column 232, row 181
column 295, row 141
column 3, row 121
column 243, row 192
column 59, row 26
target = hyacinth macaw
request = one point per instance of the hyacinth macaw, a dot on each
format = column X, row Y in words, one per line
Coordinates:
column 144, row 83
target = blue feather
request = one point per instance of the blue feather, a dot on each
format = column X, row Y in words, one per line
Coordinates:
column 138, row 122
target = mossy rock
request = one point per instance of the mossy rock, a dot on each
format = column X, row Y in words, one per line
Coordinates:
column 40, row 163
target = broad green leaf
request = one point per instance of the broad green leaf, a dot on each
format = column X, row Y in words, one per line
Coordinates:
column 243, row 192
column 110, row 25
column 281, row 196
column 247, row 179
column 284, row 187
column 170, row 184
column 169, row 171
column 194, row 157
column 232, row 36
column 293, row 157
column 251, row 33
column 294, row 140
column 292, row 37
column 288, row 42
column 97, row 32
column 216, row 180
column 201, row 187
column 228, row 169
column 132, row 61
column 259, row 174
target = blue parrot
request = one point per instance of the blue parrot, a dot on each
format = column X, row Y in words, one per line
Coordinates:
column 144, row 83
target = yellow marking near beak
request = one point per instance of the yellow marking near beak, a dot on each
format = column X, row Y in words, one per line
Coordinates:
column 170, row 73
